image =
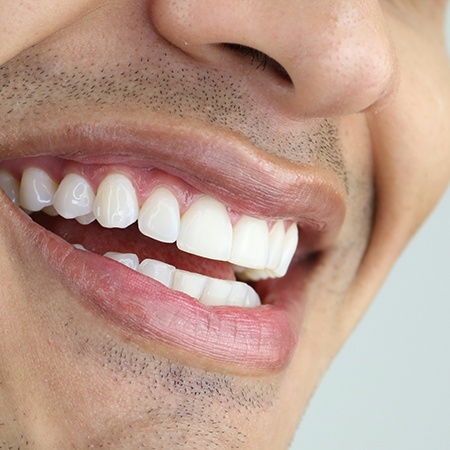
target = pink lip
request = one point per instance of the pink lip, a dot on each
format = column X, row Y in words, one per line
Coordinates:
column 263, row 338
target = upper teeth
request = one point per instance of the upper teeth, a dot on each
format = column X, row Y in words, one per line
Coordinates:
column 74, row 197
column 257, row 250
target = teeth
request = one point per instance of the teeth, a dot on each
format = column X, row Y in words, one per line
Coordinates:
column 116, row 204
column 74, row 197
column 206, row 230
column 127, row 259
column 276, row 239
column 36, row 189
column 256, row 274
column 50, row 211
column 243, row 295
column 250, row 243
column 231, row 293
column 86, row 219
column 158, row 270
column 216, row 292
column 289, row 247
column 240, row 295
column 159, row 217
column 209, row 291
column 189, row 283
column 10, row 186
column 252, row 298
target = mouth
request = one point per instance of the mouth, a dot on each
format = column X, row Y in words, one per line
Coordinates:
column 181, row 237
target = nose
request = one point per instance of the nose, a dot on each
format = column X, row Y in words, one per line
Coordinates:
column 336, row 53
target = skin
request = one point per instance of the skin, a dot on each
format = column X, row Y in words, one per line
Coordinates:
column 372, row 75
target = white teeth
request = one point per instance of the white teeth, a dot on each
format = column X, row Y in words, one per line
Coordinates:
column 127, row 259
column 209, row 291
column 74, row 197
column 289, row 247
column 250, row 243
column 216, row 292
column 36, row 189
column 159, row 217
column 80, row 247
column 206, row 230
column 256, row 274
column 158, row 270
column 240, row 294
column 86, row 219
column 10, row 186
column 252, row 299
column 238, row 269
column 243, row 295
column 50, row 211
column 189, row 283
column 276, row 239
column 116, row 204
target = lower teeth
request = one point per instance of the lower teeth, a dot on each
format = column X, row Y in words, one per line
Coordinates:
column 209, row 291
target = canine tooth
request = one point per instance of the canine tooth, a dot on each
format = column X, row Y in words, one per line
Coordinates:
column 250, row 243
column 159, row 217
column 127, row 259
column 36, row 189
column 10, row 186
column 190, row 283
column 116, row 204
column 157, row 270
column 86, row 219
column 289, row 248
column 74, row 197
column 206, row 230
column 216, row 292
column 276, row 239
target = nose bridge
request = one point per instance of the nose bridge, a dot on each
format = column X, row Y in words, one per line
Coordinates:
column 337, row 52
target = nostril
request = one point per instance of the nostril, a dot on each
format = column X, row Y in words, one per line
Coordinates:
column 259, row 59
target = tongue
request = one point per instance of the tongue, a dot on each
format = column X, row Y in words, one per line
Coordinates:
column 101, row 240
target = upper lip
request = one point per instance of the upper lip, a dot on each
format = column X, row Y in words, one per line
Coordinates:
column 223, row 165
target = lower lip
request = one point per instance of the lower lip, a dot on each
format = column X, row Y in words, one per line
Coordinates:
column 262, row 338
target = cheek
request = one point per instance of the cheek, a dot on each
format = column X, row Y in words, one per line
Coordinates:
column 412, row 138
column 410, row 149
column 25, row 23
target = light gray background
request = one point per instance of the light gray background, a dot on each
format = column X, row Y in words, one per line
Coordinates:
column 389, row 388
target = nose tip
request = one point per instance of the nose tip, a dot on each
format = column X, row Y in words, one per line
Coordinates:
column 337, row 54
column 342, row 72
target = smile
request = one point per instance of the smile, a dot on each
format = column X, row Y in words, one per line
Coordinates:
column 169, row 213
column 167, row 253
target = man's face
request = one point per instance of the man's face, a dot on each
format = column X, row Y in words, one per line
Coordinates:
column 208, row 136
